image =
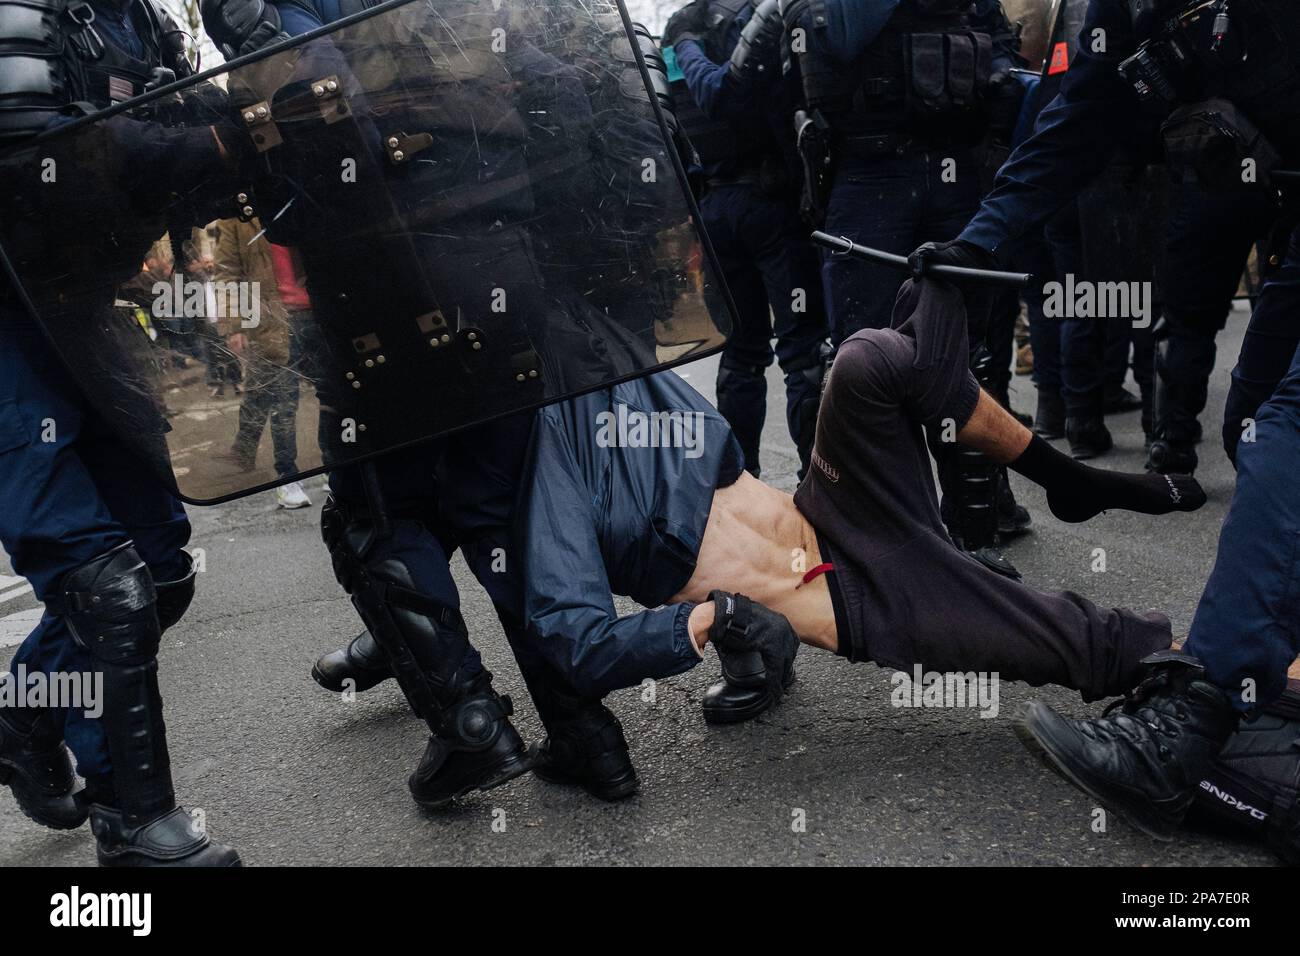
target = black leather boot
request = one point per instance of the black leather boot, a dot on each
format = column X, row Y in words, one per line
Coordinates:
column 170, row 839
column 1145, row 760
column 359, row 661
column 1120, row 400
column 36, row 766
column 1169, row 458
column 474, row 748
column 1088, row 437
column 735, row 699
column 1049, row 420
column 1013, row 517
column 586, row 747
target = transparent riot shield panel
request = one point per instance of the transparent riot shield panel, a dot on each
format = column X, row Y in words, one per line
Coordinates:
column 1033, row 19
column 425, row 218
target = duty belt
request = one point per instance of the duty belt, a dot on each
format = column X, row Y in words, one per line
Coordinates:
column 896, row 142
column 879, row 145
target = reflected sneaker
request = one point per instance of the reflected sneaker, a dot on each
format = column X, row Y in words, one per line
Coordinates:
column 292, row 496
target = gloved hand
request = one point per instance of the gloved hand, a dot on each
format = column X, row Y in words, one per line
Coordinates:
column 758, row 54
column 746, row 629
column 691, row 22
column 958, row 252
column 239, row 27
column 1003, row 98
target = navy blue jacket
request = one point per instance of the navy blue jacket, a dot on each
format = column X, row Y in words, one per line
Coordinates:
column 1077, row 135
column 597, row 517
column 756, row 115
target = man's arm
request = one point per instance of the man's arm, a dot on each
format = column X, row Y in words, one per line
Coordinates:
column 1075, row 138
column 712, row 86
column 568, row 608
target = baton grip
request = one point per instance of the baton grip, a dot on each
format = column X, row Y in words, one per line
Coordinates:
column 847, row 247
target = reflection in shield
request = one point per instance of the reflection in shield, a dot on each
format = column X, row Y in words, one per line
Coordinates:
column 432, row 215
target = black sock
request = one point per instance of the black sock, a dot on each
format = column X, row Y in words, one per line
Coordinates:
column 1077, row 492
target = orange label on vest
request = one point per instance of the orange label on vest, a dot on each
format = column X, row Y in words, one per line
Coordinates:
column 1060, row 59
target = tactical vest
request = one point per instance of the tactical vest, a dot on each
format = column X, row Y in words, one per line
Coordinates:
column 53, row 61
column 927, row 69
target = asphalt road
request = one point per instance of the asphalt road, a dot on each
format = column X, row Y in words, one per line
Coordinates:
column 293, row 775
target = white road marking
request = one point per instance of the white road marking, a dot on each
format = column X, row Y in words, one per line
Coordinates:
column 16, row 592
column 15, row 628
column 8, row 581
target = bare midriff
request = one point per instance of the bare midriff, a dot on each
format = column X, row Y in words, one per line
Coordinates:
column 759, row 545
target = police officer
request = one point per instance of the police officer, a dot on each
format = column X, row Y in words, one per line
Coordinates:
column 1208, row 236
column 100, row 540
column 398, row 578
column 1218, row 76
column 901, row 93
column 736, row 111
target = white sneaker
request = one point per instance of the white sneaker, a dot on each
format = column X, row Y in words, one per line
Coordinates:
column 292, row 496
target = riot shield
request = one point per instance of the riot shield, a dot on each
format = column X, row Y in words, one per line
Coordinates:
column 426, row 216
column 1033, row 20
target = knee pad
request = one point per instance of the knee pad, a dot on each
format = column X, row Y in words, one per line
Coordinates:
column 426, row 641
column 174, row 597
column 349, row 537
column 109, row 604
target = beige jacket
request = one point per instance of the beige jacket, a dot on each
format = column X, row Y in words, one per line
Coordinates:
column 245, row 288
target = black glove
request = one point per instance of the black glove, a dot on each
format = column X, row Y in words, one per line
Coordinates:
column 757, row 644
column 959, row 252
column 1003, row 98
column 691, row 22
column 758, row 54
column 239, row 27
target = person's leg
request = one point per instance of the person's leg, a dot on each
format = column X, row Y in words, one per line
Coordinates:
column 104, row 616
column 1082, row 348
column 53, row 521
column 1035, row 256
column 1075, row 491
column 381, row 527
column 1208, row 239
column 283, row 388
column 479, row 475
column 790, row 270
column 1146, row 760
column 254, row 409
column 742, row 368
column 1244, row 631
column 878, row 203
column 1267, row 349
column 872, row 466
column 928, row 605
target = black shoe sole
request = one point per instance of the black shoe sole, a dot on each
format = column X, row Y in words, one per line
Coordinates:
column 131, row 861
column 1088, row 452
column 515, row 765
column 739, row 715
column 319, row 677
column 6, row 774
column 1013, row 528
column 1153, row 826
column 609, row 792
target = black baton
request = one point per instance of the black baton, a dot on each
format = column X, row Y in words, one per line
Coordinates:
column 847, row 247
